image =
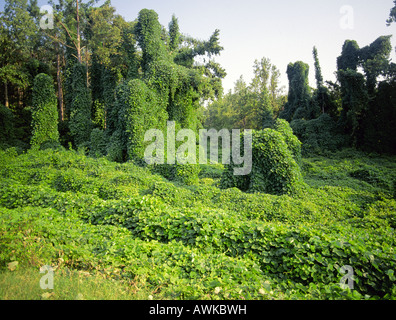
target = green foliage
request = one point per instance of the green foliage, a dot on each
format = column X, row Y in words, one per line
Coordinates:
column 349, row 58
column 174, row 34
column 98, row 215
column 249, row 107
column 80, row 115
column 140, row 111
column 98, row 143
column 375, row 60
column 286, row 238
column 319, row 135
column 186, row 174
column 166, row 91
column 177, row 89
column 7, row 126
column 354, row 102
column 392, row 15
column 274, row 171
column 294, row 145
column 71, row 62
column 322, row 100
column 45, row 112
column 365, row 100
column 379, row 122
column 116, row 149
column 299, row 104
column 18, row 36
column 148, row 33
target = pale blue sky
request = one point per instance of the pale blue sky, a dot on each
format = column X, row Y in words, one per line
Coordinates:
column 283, row 30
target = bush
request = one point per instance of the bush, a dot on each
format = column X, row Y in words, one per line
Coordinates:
column 186, row 174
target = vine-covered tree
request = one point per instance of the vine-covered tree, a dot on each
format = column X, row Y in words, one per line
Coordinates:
column 322, row 101
column 360, row 92
column 299, row 103
column 148, row 34
column 80, row 114
column 374, row 60
column 44, row 112
column 174, row 34
column 392, row 16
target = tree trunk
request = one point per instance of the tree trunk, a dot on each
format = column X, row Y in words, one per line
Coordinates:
column 6, row 94
column 86, row 61
column 78, row 36
column 60, row 90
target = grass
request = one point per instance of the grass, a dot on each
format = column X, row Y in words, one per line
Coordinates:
column 24, row 284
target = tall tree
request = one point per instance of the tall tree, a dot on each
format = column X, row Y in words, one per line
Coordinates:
column 349, row 58
column 375, row 60
column 252, row 106
column 265, row 84
column 318, row 69
column 322, row 100
column 105, row 37
column 45, row 113
column 70, row 34
column 299, row 98
column 174, row 34
column 148, row 31
column 80, row 113
column 392, row 15
column 17, row 31
column 359, row 90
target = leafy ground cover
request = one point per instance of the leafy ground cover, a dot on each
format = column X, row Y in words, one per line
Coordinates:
column 140, row 236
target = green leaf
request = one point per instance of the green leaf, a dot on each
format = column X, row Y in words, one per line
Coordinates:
column 391, row 274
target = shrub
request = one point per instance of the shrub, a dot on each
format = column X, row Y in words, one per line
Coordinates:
column 185, row 173
column 274, row 170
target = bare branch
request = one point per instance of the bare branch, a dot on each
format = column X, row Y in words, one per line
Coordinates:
column 58, row 40
column 67, row 30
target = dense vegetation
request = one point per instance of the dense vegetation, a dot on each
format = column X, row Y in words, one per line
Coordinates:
column 182, row 242
column 76, row 193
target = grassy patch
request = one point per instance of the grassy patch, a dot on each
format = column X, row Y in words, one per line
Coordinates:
column 24, row 284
